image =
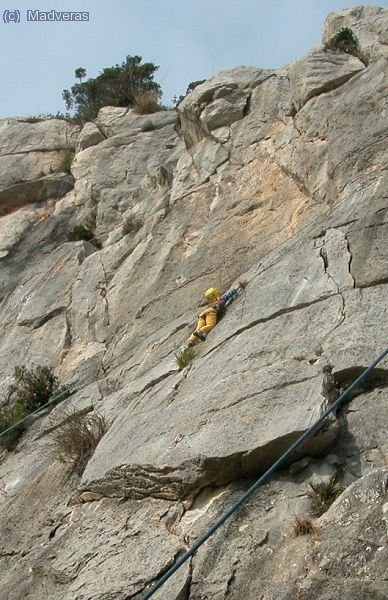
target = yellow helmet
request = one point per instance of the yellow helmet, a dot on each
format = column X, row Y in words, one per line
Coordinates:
column 212, row 294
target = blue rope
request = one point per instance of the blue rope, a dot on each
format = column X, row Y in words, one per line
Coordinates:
column 261, row 480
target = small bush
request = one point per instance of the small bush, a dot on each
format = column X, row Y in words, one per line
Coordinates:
column 184, row 357
column 131, row 225
column 346, row 41
column 76, row 439
column 30, row 390
column 322, row 495
column 80, row 233
column 66, row 161
column 9, row 416
column 303, row 526
column 146, row 102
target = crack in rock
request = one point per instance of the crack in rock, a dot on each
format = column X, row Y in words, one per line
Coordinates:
column 337, row 258
column 275, row 315
column 103, row 293
column 281, row 386
column 323, row 255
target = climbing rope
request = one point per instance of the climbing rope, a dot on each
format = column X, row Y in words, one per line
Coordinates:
column 308, row 433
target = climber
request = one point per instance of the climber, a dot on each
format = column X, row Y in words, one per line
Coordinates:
column 209, row 317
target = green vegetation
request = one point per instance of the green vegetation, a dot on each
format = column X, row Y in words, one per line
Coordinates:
column 122, row 85
column 9, row 416
column 322, row 496
column 346, row 41
column 30, row 390
column 75, row 440
column 178, row 99
column 80, row 233
column 303, row 526
column 33, row 387
column 66, row 161
column 50, row 116
column 146, row 102
column 184, row 357
column 131, row 225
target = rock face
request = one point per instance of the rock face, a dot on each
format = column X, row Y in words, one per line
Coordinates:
column 319, row 72
column 274, row 177
column 34, row 158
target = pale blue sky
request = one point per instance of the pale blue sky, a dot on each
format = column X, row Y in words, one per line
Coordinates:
column 188, row 39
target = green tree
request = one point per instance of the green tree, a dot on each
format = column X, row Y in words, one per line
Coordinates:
column 114, row 86
column 80, row 74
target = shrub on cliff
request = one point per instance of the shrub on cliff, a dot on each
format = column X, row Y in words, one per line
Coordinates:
column 114, row 86
column 81, row 233
column 346, row 41
column 131, row 225
column 30, row 390
column 77, row 437
column 33, row 387
column 66, row 161
column 9, row 416
column 146, row 102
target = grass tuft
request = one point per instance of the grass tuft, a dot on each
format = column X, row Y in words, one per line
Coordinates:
column 146, row 102
column 184, row 357
column 322, row 495
column 303, row 526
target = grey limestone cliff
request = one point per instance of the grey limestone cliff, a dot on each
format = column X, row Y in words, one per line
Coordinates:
column 275, row 177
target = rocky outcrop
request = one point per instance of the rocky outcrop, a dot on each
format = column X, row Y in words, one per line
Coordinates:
column 89, row 136
column 369, row 25
column 35, row 156
column 218, row 103
column 319, row 72
column 275, row 177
